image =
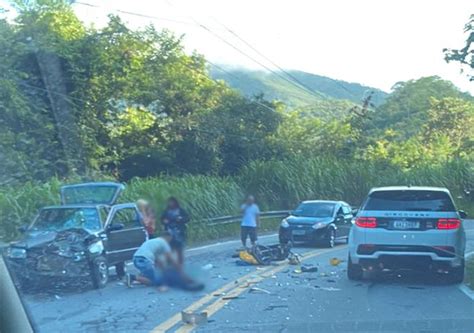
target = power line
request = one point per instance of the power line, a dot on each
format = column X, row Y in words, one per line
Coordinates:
column 294, row 80
column 136, row 14
column 212, row 32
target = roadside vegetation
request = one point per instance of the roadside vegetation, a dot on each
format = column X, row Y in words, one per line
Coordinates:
column 469, row 279
column 80, row 103
column 276, row 184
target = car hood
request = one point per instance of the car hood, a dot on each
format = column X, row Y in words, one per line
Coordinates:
column 307, row 220
column 35, row 239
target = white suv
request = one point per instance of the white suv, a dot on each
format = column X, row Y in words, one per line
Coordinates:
column 407, row 227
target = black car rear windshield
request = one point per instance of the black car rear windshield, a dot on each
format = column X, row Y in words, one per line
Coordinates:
column 410, row 200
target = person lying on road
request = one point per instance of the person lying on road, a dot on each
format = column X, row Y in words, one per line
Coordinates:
column 158, row 267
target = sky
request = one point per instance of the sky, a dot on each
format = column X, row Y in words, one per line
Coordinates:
column 372, row 42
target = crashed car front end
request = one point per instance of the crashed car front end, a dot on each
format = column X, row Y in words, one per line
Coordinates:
column 67, row 256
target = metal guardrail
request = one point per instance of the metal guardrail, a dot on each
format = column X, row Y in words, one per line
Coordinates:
column 222, row 220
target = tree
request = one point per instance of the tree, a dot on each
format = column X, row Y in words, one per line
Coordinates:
column 464, row 56
column 406, row 109
column 453, row 120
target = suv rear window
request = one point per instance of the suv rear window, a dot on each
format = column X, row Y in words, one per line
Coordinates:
column 410, row 200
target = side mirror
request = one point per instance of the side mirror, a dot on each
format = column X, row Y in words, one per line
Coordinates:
column 22, row 229
column 115, row 226
column 462, row 214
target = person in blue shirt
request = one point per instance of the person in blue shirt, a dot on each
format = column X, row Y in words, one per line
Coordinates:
column 250, row 221
column 174, row 219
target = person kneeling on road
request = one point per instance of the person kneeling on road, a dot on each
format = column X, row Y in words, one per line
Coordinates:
column 158, row 267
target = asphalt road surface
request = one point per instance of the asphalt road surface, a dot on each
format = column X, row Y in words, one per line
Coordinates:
column 266, row 299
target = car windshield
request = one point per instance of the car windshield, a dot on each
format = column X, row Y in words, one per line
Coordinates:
column 58, row 219
column 314, row 209
column 434, row 201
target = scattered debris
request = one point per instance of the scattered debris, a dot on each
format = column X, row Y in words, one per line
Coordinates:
column 218, row 295
column 207, row 267
column 225, row 298
column 335, row 261
column 331, row 280
column 309, row 269
column 329, row 289
column 298, row 270
column 323, row 274
column 294, row 259
column 194, row 318
column 57, row 297
column 271, row 307
column 418, row 288
column 259, row 290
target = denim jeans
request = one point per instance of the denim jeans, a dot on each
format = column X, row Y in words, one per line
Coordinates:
column 147, row 269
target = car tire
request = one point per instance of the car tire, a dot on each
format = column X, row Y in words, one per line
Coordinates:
column 354, row 271
column 120, row 270
column 330, row 240
column 99, row 272
column 456, row 275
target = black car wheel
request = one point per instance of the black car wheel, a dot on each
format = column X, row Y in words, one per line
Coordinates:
column 330, row 240
column 354, row 271
column 99, row 272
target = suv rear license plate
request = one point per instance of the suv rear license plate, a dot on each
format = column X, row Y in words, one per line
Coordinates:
column 406, row 225
column 299, row 232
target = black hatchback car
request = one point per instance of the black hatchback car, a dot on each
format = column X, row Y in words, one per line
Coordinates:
column 82, row 237
column 320, row 222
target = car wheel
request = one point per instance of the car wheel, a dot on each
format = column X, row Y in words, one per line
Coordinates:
column 330, row 240
column 456, row 275
column 354, row 271
column 120, row 270
column 99, row 273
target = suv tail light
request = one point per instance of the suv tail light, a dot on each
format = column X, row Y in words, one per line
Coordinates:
column 448, row 224
column 366, row 222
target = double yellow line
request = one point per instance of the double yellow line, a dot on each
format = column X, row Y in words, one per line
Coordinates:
column 228, row 291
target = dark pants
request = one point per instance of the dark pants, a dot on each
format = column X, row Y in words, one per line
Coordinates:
column 250, row 232
column 169, row 277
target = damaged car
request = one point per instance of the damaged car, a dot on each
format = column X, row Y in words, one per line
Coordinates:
column 79, row 239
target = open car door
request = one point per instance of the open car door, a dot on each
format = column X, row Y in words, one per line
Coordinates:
column 105, row 193
column 125, row 233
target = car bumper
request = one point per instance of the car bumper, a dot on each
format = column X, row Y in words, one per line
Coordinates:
column 420, row 249
column 23, row 270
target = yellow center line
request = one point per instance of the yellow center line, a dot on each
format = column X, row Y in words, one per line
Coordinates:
column 176, row 318
column 236, row 291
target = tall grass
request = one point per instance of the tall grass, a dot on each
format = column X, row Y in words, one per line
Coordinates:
column 281, row 184
column 276, row 184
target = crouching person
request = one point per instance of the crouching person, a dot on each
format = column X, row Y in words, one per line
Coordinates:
column 158, row 267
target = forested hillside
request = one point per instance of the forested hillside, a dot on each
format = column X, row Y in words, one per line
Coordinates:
column 277, row 86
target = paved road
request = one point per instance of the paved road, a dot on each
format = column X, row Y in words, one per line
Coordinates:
column 325, row 301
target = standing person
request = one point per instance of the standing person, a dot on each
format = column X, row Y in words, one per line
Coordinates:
column 157, row 266
column 148, row 217
column 174, row 219
column 250, row 221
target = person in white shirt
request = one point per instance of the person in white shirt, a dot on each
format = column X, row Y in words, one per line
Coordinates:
column 250, row 221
